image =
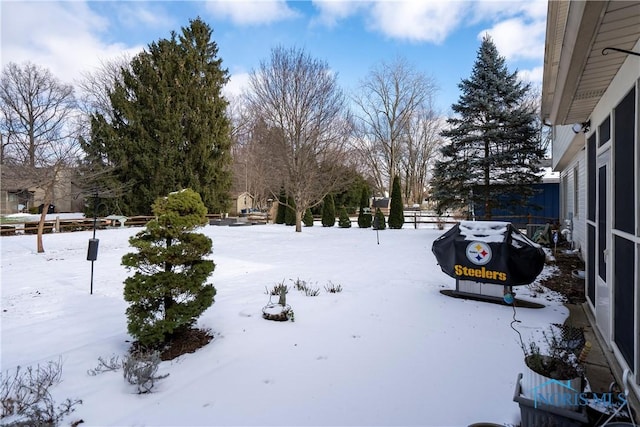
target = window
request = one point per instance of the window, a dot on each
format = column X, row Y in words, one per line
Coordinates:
column 591, row 177
column 604, row 131
column 624, row 162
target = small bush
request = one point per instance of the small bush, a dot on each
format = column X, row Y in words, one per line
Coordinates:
column 312, row 292
column 302, row 286
column 307, row 219
column 277, row 289
column 290, row 212
column 113, row 364
column 365, row 218
column 328, row 212
column 139, row 368
column 344, row 221
column 364, row 214
column 25, row 396
column 333, row 288
column 379, row 222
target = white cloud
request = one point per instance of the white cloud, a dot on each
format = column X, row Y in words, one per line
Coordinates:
column 492, row 10
column 238, row 82
column 58, row 36
column 518, row 28
column 134, row 14
column 533, row 76
column 417, row 20
column 331, row 11
column 251, row 12
column 517, row 39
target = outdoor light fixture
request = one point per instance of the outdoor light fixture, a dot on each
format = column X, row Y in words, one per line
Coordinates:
column 581, row 127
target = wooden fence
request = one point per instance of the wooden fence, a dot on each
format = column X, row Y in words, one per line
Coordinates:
column 79, row 224
column 410, row 217
column 427, row 217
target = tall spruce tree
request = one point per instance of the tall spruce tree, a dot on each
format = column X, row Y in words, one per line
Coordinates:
column 396, row 208
column 168, row 129
column 494, row 150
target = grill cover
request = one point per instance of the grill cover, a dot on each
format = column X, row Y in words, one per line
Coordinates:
column 489, row 252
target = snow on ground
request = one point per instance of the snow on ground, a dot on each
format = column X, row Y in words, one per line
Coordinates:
column 390, row 349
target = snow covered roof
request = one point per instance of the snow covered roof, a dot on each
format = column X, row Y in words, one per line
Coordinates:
column 550, row 176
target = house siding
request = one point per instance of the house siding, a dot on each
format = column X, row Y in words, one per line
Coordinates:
column 619, row 321
column 573, row 208
column 584, row 84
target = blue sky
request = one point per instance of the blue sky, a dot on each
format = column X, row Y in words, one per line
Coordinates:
column 439, row 38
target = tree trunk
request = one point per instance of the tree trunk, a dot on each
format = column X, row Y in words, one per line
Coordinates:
column 43, row 216
column 487, row 192
column 299, row 220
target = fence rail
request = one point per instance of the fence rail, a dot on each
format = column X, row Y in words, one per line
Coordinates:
column 427, row 217
column 76, row 224
column 410, row 217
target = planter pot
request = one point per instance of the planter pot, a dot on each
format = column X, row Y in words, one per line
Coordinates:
column 536, row 414
column 540, row 388
column 277, row 312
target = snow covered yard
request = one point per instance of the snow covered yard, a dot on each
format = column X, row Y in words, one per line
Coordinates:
column 389, row 349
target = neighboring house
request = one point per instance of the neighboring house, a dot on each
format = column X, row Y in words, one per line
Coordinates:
column 590, row 97
column 541, row 208
column 242, row 203
column 19, row 194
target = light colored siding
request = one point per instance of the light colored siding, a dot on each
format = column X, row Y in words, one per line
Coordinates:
column 562, row 151
column 568, row 209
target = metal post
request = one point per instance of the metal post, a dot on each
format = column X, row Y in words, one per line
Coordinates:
column 95, row 220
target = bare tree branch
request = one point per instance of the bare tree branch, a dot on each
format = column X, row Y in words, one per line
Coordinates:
column 302, row 126
column 388, row 100
column 39, row 116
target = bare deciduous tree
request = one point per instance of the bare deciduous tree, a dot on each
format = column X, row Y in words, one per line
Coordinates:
column 247, row 170
column 39, row 117
column 304, row 126
column 95, row 86
column 423, row 141
column 388, row 100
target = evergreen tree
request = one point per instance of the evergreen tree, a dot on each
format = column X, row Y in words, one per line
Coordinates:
column 396, row 208
column 494, row 149
column 168, row 129
column 307, row 219
column 290, row 212
column 349, row 197
column 168, row 291
column 328, row 212
column 379, row 222
column 282, row 208
column 343, row 218
column 364, row 215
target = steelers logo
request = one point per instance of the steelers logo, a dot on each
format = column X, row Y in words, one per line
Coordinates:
column 478, row 253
